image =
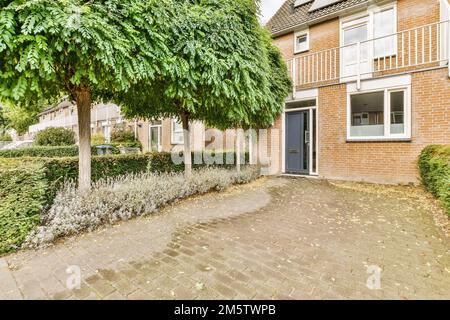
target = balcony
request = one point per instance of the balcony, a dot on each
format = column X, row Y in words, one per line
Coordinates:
column 406, row 51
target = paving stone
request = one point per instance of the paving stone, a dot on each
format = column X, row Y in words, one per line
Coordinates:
column 276, row 238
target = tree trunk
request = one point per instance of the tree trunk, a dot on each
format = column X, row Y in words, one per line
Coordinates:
column 238, row 150
column 84, row 101
column 187, row 144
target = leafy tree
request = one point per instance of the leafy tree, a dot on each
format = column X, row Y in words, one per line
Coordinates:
column 19, row 118
column 3, row 120
column 87, row 50
column 219, row 69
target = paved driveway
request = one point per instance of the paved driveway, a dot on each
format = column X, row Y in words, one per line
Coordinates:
column 275, row 238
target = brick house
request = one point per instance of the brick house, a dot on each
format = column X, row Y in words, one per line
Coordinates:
column 371, row 87
column 158, row 135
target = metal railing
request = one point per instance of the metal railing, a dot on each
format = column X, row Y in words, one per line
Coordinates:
column 404, row 51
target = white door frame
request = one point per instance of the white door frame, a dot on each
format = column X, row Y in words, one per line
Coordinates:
column 159, row 127
column 311, row 144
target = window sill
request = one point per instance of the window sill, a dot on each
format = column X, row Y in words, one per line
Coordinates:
column 301, row 51
column 379, row 140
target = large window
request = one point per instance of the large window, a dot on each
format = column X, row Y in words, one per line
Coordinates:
column 383, row 114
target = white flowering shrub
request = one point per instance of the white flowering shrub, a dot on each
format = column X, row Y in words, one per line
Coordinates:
column 123, row 198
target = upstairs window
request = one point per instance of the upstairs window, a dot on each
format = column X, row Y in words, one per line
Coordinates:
column 384, row 28
column 301, row 41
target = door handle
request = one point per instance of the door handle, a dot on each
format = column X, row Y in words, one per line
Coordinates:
column 294, row 151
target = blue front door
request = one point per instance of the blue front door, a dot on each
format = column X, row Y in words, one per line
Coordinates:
column 297, row 142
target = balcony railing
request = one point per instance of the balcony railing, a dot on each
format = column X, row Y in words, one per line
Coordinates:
column 419, row 48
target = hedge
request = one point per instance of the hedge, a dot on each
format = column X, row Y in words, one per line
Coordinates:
column 22, row 198
column 48, row 152
column 434, row 166
column 29, row 185
column 55, row 137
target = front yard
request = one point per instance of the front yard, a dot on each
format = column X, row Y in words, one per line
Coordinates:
column 274, row 238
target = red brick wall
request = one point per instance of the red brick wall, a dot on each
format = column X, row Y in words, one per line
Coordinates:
column 383, row 162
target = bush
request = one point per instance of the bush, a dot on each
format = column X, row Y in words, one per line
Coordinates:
column 434, row 166
column 22, row 193
column 120, row 134
column 98, row 139
column 31, row 184
column 111, row 201
column 48, row 152
column 55, row 137
column 5, row 137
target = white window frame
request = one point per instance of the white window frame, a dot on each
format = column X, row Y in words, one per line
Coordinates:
column 300, row 34
column 367, row 17
column 172, row 131
column 159, row 127
column 387, row 113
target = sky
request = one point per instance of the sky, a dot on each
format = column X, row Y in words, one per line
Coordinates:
column 268, row 8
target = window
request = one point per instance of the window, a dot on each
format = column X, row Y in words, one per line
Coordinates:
column 367, row 111
column 383, row 114
column 384, row 27
column 301, row 41
column 377, row 23
column 177, row 132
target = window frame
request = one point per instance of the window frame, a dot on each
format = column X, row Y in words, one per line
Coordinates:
column 368, row 17
column 387, row 115
column 300, row 34
column 173, row 131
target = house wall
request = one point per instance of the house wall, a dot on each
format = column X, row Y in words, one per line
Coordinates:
column 383, row 162
column 380, row 162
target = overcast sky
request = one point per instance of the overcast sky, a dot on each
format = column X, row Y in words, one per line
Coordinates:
column 268, row 8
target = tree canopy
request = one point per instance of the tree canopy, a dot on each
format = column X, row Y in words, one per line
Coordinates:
column 222, row 69
column 87, row 50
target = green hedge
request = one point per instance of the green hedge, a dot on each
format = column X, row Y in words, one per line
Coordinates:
column 29, row 185
column 22, row 198
column 434, row 165
column 48, row 152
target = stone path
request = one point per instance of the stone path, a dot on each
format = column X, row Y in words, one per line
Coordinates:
column 277, row 238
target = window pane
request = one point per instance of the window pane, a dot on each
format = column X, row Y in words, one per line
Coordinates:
column 367, row 115
column 384, row 26
column 155, row 139
column 302, row 42
column 355, row 35
column 397, row 112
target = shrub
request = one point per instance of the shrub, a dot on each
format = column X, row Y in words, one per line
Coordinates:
column 55, row 137
column 22, row 193
column 434, row 166
column 39, row 179
column 98, row 139
column 120, row 199
column 5, row 137
column 120, row 134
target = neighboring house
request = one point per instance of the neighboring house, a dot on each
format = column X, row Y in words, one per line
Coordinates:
column 371, row 86
column 158, row 135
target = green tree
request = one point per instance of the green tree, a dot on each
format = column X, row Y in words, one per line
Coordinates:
column 87, row 50
column 219, row 69
column 19, row 118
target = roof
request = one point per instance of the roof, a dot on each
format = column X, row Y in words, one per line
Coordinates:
column 64, row 103
column 289, row 17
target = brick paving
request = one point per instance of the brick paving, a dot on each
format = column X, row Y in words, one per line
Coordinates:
column 277, row 238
